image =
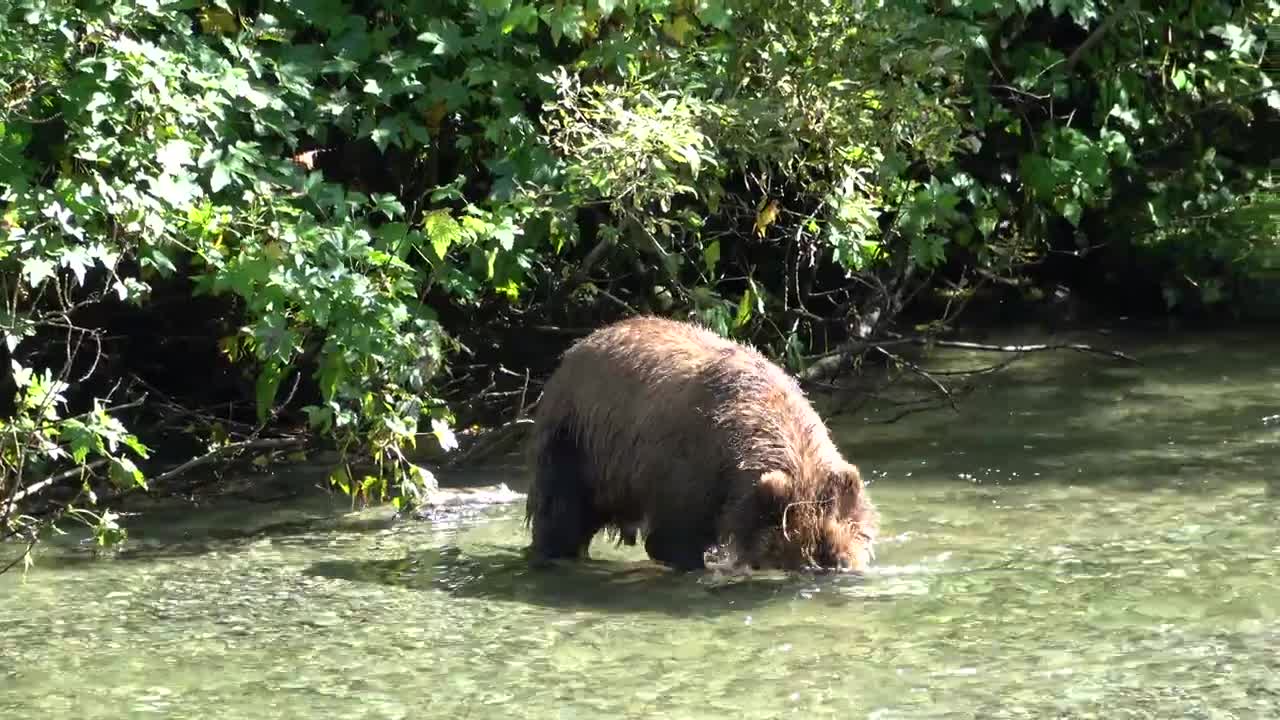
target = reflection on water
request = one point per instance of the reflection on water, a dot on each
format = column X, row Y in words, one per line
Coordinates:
column 1084, row 539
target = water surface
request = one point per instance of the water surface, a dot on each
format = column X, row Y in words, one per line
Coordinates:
column 1082, row 539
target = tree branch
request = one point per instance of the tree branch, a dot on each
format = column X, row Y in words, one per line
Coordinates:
column 37, row 487
column 829, row 364
column 1078, row 54
column 263, row 444
column 1078, row 347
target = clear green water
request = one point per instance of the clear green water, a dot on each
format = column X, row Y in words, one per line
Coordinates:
column 1084, row 539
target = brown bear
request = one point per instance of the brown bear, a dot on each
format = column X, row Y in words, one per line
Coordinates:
column 663, row 428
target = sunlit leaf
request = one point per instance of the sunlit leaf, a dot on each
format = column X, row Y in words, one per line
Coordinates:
column 711, row 256
column 766, row 216
column 442, row 230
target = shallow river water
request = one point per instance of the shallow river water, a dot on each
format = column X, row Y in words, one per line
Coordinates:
column 1083, row 539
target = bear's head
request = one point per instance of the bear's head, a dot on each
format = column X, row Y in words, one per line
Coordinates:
column 824, row 521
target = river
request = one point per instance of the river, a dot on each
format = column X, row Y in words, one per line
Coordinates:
column 1083, row 538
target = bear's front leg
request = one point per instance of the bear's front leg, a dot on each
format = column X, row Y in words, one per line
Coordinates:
column 674, row 549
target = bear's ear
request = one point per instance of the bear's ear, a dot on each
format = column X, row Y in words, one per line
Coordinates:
column 847, row 478
column 774, row 487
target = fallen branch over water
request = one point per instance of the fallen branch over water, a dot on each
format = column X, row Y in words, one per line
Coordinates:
column 230, row 448
column 1019, row 349
column 832, row 363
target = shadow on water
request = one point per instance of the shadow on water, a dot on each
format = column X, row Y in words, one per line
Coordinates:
column 156, row 542
column 1187, row 418
column 503, row 575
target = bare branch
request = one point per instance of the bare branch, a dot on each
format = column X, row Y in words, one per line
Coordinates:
column 262, row 444
column 113, row 408
column 1078, row 347
column 942, row 389
column 37, row 487
column 583, row 271
column 830, row 364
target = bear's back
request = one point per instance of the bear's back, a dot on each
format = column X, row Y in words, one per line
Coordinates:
column 660, row 351
column 674, row 382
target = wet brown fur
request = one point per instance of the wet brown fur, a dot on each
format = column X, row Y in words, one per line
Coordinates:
column 664, row 429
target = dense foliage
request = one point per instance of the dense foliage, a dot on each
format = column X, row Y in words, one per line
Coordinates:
column 345, row 200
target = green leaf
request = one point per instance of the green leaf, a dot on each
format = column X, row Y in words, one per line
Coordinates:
column 442, row 230
column 134, row 444
column 220, row 178
column 153, row 257
column 564, row 21
column 387, row 132
column 715, row 13
column 692, row 158
column 1038, row 174
column 78, row 261
column 37, row 269
column 506, row 236
column 1071, row 210
column 445, row 37
column 711, row 256
column 388, row 205
column 265, row 389
column 744, row 310
column 175, row 156
column 80, row 439
column 522, row 16
column 341, row 479
column 125, row 473
column 494, row 7
column 928, row 251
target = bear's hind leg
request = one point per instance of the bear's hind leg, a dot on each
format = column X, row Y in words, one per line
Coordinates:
column 562, row 512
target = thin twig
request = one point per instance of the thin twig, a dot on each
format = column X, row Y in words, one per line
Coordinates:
column 37, row 487
column 524, row 392
column 916, row 369
column 108, row 411
column 31, row 543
